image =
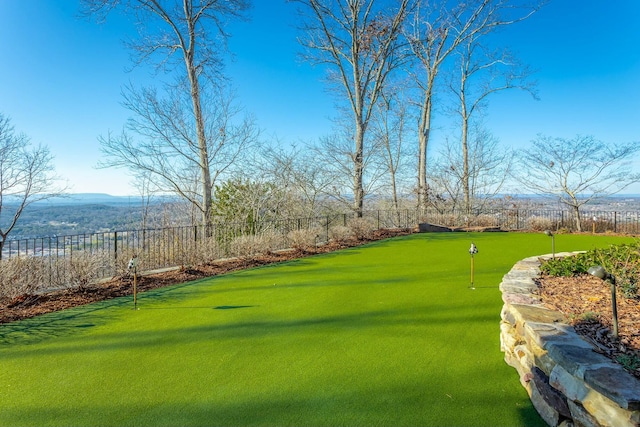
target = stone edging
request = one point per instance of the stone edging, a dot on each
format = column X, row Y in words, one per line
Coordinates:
column 569, row 383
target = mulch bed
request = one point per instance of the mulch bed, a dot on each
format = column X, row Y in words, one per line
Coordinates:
column 586, row 302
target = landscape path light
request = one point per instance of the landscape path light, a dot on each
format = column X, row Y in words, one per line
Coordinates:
column 599, row 272
column 472, row 251
column 595, row 219
column 553, row 243
column 133, row 266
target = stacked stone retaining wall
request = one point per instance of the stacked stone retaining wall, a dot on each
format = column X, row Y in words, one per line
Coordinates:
column 569, row 383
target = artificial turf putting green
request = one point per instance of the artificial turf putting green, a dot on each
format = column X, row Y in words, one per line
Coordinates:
column 384, row 334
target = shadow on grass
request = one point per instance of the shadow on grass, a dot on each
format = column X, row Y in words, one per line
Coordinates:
column 28, row 332
column 205, row 307
column 405, row 403
column 61, row 323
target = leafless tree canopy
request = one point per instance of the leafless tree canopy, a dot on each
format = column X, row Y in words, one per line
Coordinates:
column 358, row 41
column 577, row 170
column 26, row 176
column 195, row 30
column 438, row 28
column 480, row 172
column 160, row 140
column 188, row 39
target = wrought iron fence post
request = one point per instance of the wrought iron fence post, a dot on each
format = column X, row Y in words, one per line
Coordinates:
column 115, row 252
column 327, row 226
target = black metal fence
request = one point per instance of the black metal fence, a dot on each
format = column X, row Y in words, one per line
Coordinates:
column 190, row 245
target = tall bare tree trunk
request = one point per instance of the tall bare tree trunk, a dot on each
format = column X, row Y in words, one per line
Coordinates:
column 464, row 140
column 202, row 146
column 358, row 164
column 423, row 143
column 203, row 151
column 465, row 167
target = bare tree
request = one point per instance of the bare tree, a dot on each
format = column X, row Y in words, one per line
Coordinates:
column 159, row 140
column 187, row 36
column 299, row 172
column 577, row 171
column 438, row 28
column 481, row 73
column 472, row 178
column 358, row 41
column 335, row 153
column 390, row 131
column 26, row 176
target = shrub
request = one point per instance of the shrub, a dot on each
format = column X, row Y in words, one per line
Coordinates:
column 630, row 362
column 206, row 251
column 485, row 221
column 567, row 266
column 340, row 233
column 539, row 224
column 361, row 228
column 23, row 276
column 303, row 239
column 82, row 269
column 243, row 246
column 253, row 245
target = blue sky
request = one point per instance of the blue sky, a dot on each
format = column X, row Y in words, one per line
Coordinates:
column 61, row 79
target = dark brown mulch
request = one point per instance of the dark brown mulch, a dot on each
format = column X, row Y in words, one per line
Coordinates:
column 26, row 306
column 586, row 302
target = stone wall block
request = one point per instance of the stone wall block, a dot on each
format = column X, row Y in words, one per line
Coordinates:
column 546, row 411
column 606, row 412
column 576, row 359
column 553, row 397
column 616, row 384
column 572, row 387
column 581, row 417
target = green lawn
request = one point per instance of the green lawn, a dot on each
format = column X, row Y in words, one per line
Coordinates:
column 384, row 334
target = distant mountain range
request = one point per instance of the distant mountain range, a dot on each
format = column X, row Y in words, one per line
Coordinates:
column 90, row 198
column 97, row 198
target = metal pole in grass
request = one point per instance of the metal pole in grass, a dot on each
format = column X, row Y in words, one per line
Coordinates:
column 472, row 251
column 133, row 266
column 553, row 243
column 599, row 272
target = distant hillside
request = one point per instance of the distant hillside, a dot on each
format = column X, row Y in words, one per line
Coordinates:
column 78, row 214
column 91, row 198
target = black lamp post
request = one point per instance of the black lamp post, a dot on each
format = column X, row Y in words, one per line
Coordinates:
column 472, row 251
column 133, row 266
column 599, row 272
column 553, row 243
